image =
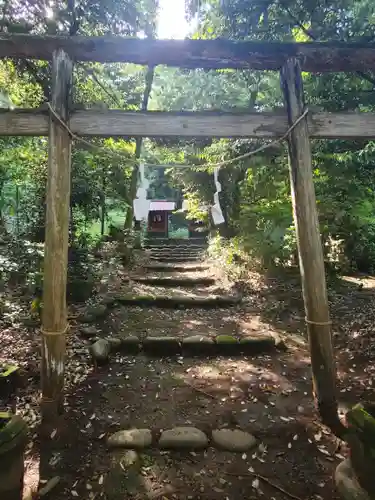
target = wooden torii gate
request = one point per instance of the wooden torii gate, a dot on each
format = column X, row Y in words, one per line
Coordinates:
column 288, row 58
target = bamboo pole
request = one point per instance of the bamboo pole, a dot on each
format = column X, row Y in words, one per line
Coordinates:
column 310, row 250
column 56, row 242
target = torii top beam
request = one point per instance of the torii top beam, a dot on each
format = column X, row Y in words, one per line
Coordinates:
column 314, row 57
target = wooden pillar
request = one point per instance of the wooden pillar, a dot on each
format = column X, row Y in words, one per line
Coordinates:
column 54, row 324
column 310, row 249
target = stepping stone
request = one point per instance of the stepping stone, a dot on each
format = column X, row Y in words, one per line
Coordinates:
column 114, row 342
column 233, row 439
column 131, row 344
column 176, row 268
column 100, row 351
column 161, row 345
column 198, row 344
column 172, row 259
column 257, row 344
column 93, row 313
column 109, row 300
column 227, row 344
column 180, row 301
column 89, row 331
column 183, row 438
column 183, row 282
column 97, row 311
column 131, row 438
column 347, row 482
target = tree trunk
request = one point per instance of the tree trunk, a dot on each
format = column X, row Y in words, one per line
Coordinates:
column 102, row 214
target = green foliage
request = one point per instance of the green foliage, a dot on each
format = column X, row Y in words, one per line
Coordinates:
column 100, row 181
column 230, row 256
column 255, row 194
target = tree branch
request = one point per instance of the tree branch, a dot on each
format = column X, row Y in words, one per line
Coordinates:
column 312, row 37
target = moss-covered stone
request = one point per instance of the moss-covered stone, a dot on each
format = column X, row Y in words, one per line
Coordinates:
column 226, row 339
column 227, row 345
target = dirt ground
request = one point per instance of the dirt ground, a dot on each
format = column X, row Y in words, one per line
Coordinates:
column 268, row 396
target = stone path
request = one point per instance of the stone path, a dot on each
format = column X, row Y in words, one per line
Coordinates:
column 189, row 290
column 176, row 278
column 180, row 401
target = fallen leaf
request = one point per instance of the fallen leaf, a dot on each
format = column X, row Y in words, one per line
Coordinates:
column 255, row 483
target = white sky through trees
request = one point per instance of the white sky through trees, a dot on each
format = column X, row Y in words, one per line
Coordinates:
column 171, row 19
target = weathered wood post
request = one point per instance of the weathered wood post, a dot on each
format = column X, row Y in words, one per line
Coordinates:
column 310, row 249
column 54, row 324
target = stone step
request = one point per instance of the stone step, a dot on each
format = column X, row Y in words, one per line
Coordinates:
column 172, row 242
column 182, row 438
column 175, row 251
column 178, row 247
column 173, row 259
column 176, row 268
column 171, row 281
column 150, row 244
column 193, row 246
column 194, row 345
column 175, row 302
column 172, row 255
